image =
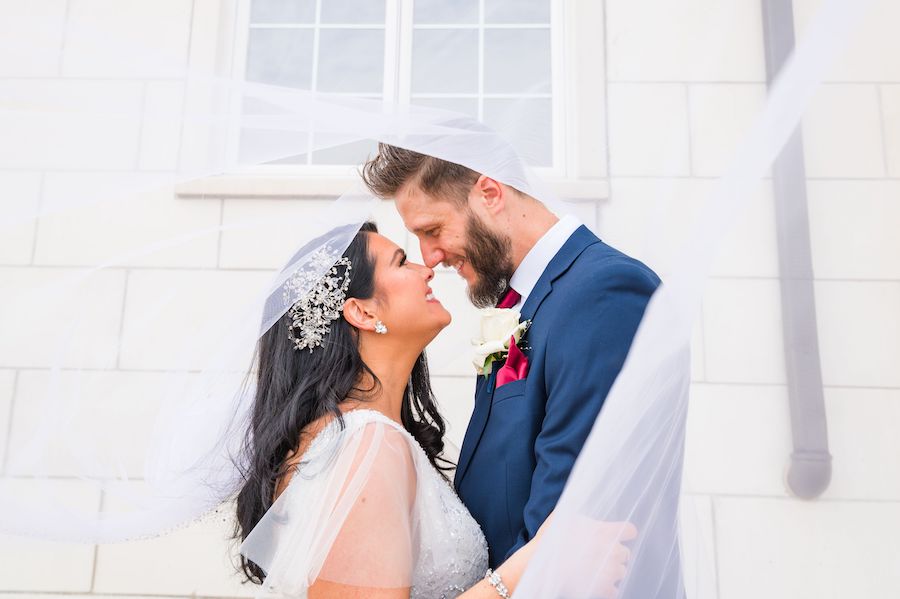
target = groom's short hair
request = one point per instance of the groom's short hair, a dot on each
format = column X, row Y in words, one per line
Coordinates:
column 394, row 167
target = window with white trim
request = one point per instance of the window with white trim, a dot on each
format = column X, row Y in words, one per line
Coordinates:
column 557, row 46
column 490, row 59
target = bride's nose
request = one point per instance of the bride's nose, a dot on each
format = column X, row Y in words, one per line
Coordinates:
column 429, row 273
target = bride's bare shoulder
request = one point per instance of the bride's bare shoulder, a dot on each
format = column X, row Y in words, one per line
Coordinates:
column 393, row 452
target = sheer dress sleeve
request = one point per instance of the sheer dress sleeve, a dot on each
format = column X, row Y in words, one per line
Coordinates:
column 347, row 517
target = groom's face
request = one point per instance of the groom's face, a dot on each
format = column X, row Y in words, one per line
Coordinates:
column 452, row 234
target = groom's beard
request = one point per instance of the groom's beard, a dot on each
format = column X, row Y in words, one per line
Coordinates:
column 488, row 254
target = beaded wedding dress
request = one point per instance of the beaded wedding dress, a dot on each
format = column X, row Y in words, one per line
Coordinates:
column 366, row 508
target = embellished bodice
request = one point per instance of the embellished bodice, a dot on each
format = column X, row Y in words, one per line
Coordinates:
column 449, row 547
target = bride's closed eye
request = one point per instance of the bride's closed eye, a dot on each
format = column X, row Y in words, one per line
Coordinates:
column 399, row 257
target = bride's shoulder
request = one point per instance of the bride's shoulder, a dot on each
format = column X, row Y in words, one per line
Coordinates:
column 363, row 445
column 380, row 450
column 372, row 431
column 362, row 435
column 351, row 424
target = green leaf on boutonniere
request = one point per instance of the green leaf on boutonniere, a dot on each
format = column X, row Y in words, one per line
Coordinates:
column 488, row 364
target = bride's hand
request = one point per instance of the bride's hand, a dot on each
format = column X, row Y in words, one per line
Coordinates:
column 543, row 528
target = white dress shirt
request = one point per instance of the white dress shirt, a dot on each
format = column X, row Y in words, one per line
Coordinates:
column 538, row 257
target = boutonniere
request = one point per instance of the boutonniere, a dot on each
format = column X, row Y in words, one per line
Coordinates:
column 500, row 328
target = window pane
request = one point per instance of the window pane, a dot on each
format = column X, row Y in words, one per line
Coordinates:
column 517, row 61
column 446, row 11
column 534, row 141
column 281, row 57
column 255, row 144
column 517, row 11
column 283, row 11
column 445, row 61
column 352, row 153
column 351, row 60
column 467, row 106
column 353, row 11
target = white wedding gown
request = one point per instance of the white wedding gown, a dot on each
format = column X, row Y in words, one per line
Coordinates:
column 366, row 508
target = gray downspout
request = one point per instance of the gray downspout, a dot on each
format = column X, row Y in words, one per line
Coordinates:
column 809, row 472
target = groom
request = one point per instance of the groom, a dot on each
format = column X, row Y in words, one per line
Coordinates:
column 584, row 300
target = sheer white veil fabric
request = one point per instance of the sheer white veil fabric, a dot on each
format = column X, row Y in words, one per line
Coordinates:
column 80, row 130
column 349, row 519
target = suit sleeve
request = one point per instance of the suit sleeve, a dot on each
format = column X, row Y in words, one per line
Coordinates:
column 589, row 342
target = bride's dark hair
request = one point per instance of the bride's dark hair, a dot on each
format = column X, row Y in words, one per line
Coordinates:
column 297, row 387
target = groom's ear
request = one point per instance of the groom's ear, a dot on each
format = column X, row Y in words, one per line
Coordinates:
column 490, row 194
column 358, row 314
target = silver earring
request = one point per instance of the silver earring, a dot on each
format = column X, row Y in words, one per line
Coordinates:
column 380, row 328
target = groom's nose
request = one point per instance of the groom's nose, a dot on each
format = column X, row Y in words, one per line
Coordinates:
column 431, row 254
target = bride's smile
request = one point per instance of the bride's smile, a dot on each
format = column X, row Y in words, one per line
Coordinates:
column 405, row 300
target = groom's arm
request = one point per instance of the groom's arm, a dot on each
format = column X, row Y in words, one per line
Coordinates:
column 588, row 344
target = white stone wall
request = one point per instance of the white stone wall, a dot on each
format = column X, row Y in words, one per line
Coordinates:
column 674, row 113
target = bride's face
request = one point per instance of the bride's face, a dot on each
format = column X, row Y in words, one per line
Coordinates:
column 407, row 304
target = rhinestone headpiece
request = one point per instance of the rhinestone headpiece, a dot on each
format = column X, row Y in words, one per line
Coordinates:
column 312, row 312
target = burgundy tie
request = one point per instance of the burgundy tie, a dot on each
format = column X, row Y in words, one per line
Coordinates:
column 509, row 300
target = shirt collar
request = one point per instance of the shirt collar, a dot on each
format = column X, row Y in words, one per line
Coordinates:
column 538, row 257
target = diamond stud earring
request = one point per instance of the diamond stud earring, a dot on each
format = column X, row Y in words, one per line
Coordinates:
column 380, row 328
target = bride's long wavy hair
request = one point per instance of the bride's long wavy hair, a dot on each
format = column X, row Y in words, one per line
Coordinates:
column 295, row 388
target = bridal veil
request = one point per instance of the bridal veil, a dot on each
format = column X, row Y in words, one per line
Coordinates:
column 98, row 148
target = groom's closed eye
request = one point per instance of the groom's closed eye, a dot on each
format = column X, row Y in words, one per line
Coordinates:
column 426, row 231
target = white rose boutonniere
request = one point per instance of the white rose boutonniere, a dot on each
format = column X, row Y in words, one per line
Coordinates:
column 498, row 326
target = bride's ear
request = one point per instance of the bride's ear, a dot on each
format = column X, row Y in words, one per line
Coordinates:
column 358, row 313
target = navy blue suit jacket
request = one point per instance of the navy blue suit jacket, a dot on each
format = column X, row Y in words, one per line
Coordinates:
column 523, row 438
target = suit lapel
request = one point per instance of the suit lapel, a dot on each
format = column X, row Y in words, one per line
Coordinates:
column 571, row 249
column 579, row 240
column 483, row 396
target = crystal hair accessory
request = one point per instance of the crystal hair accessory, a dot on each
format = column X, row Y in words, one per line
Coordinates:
column 316, row 298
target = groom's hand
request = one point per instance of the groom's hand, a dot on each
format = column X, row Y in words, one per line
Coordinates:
column 611, row 554
column 596, row 557
column 590, row 556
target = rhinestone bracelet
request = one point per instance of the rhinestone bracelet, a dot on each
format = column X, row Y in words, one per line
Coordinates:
column 494, row 579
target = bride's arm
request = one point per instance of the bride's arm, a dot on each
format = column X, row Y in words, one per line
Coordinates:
column 609, row 540
column 323, row 589
column 510, row 573
column 373, row 552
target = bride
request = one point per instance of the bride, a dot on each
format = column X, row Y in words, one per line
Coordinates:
column 345, row 490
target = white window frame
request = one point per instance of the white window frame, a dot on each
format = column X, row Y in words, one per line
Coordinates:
column 219, row 40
